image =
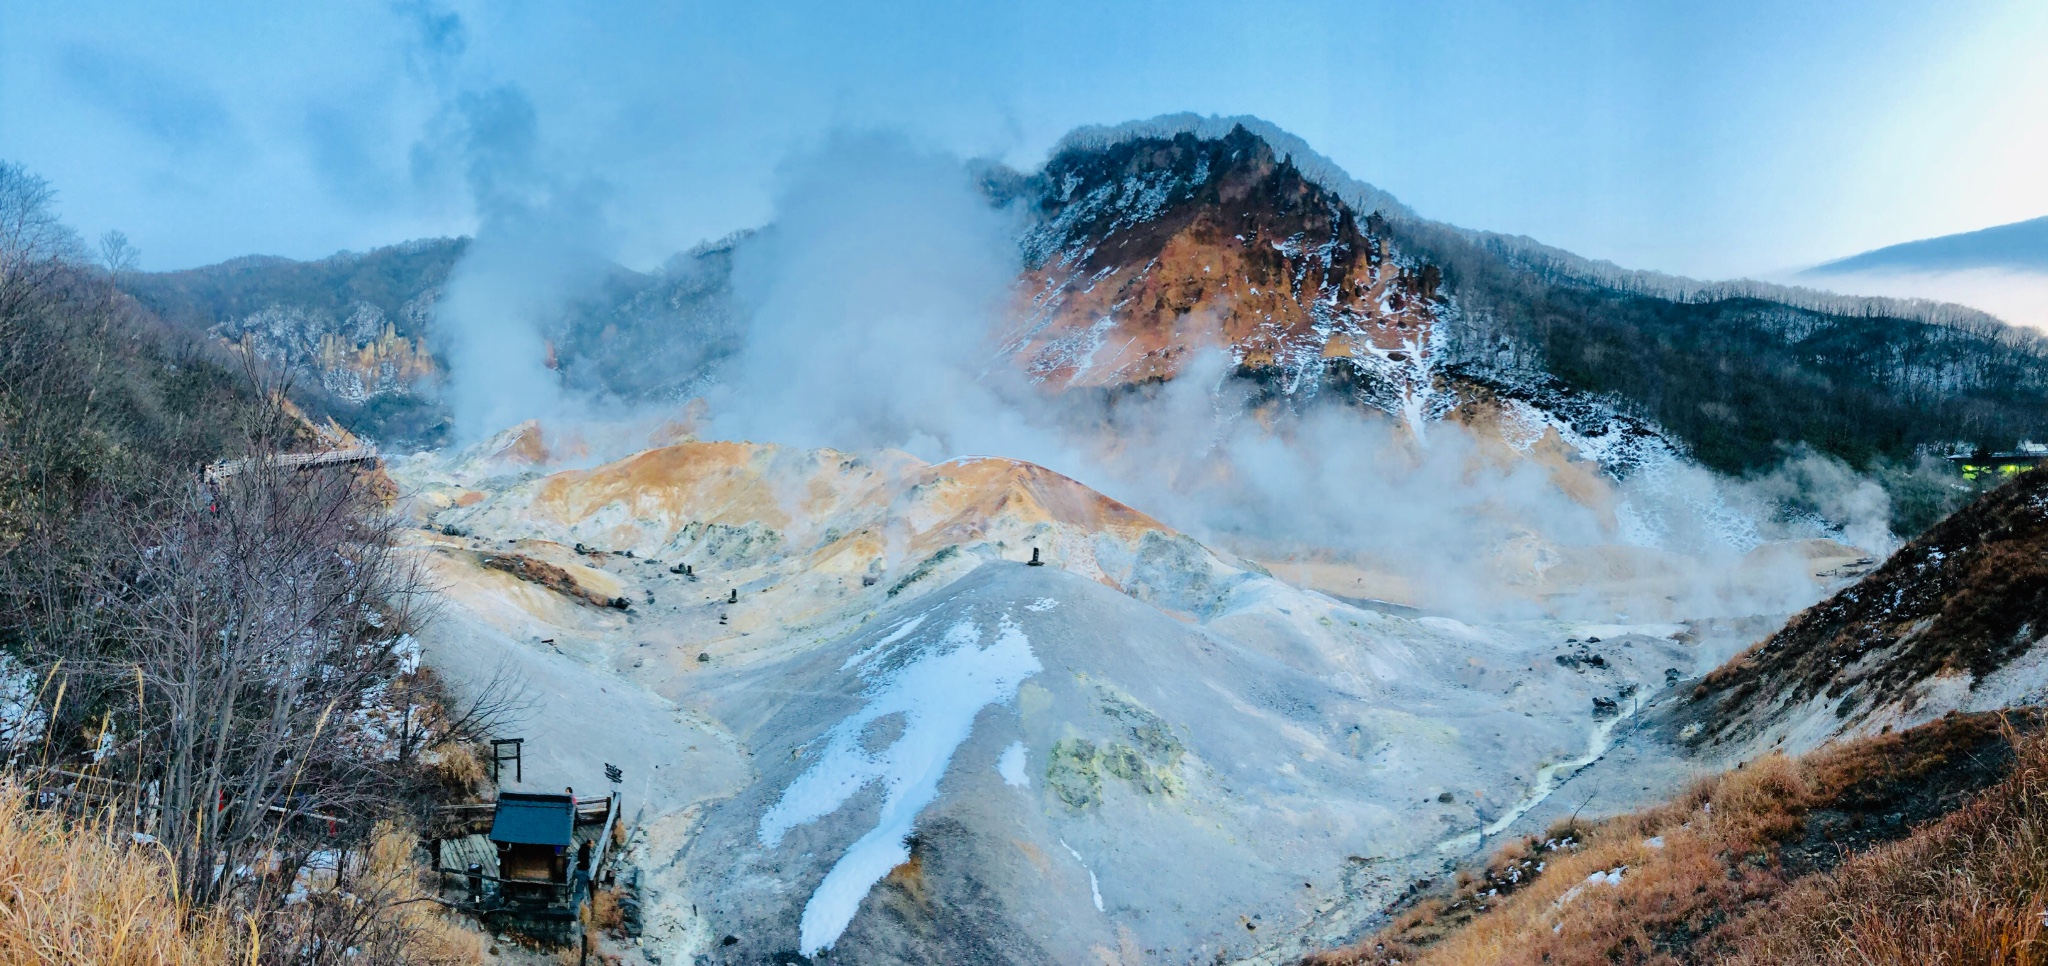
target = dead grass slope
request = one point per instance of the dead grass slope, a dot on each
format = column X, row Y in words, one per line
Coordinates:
column 73, row 894
column 80, row 891
column 1872, row 849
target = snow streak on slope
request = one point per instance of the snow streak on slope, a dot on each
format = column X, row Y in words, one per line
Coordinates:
column 938, row 687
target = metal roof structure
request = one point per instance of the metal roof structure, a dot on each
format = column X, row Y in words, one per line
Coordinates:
column 2009, row 463
column 525, row 818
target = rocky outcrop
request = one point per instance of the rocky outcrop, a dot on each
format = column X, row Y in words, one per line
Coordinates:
column 1956, row 619
column 1150, row 251
column 552, row 577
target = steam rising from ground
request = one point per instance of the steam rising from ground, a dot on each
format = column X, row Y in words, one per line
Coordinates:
column 875, row 298
column 872, row 297
column 538, row 241
column 873, row 301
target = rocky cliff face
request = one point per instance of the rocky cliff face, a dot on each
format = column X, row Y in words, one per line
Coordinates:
column 1144, row 252
column 1148, row 251
column 352, row 330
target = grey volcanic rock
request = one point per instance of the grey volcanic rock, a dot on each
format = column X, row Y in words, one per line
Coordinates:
column 903, row 744
column 1184, row 791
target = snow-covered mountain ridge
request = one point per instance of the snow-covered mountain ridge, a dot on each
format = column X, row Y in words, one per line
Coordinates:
column 1729, row 373
column 1147, row 251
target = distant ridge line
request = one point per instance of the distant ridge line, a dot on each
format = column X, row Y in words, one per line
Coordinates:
column 1554, row 263
column 2016, row 246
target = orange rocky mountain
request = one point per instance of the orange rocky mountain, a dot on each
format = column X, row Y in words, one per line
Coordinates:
column 1152, row 250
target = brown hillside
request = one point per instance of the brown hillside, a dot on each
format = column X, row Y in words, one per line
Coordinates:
column 1154, row 249
column 1758, row 865
column 1966, row 598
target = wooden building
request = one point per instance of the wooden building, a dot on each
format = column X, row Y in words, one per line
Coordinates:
column 534, row 870
column 536, row 837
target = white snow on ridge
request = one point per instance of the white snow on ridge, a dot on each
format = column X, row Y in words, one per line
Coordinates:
column 939, row 686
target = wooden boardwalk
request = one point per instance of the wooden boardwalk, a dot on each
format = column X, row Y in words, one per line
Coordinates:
column 221, row 471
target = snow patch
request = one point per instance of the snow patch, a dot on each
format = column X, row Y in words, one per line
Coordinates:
column 1011, row 766
column 22, row 718
column 406, row 649
column 1094, row 889
column 1608, row 877
column 939, row 686
column 894, row 636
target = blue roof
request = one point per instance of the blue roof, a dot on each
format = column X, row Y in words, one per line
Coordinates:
column 527, row 819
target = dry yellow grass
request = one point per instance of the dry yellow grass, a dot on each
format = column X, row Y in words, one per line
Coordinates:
column 1704, row 879
column 605, row 913
column 81, row 894
column 1969, row 890
column 428, row 936
column 76, row 892
column 458, row 766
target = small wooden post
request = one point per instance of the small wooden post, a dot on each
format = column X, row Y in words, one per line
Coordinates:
column 499, row 747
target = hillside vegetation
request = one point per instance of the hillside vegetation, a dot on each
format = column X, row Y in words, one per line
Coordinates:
column 1929, row 846
column 81, row 893
column 360, row 338
column 214, row 731
column 1960, row 602
column 1740, row 379
column 1739, row 372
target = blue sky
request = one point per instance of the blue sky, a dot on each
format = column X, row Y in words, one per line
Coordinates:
column 1713, row 139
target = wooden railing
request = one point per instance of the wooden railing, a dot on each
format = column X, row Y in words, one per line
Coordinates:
column 221, row 471
column 604, row 841
column 82, row 790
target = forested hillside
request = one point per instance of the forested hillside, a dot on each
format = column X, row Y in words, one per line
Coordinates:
column 198, row 673
column 359, row 335
column 1148, row 240
column 1740, row 377
column 387, row 280
column 1739, row 372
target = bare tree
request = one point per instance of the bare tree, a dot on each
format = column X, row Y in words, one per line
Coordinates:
column 426, row 712
column 118, row 255
column 225, row 660
column 34, row 243
column 255, row 620
column 374, row 907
